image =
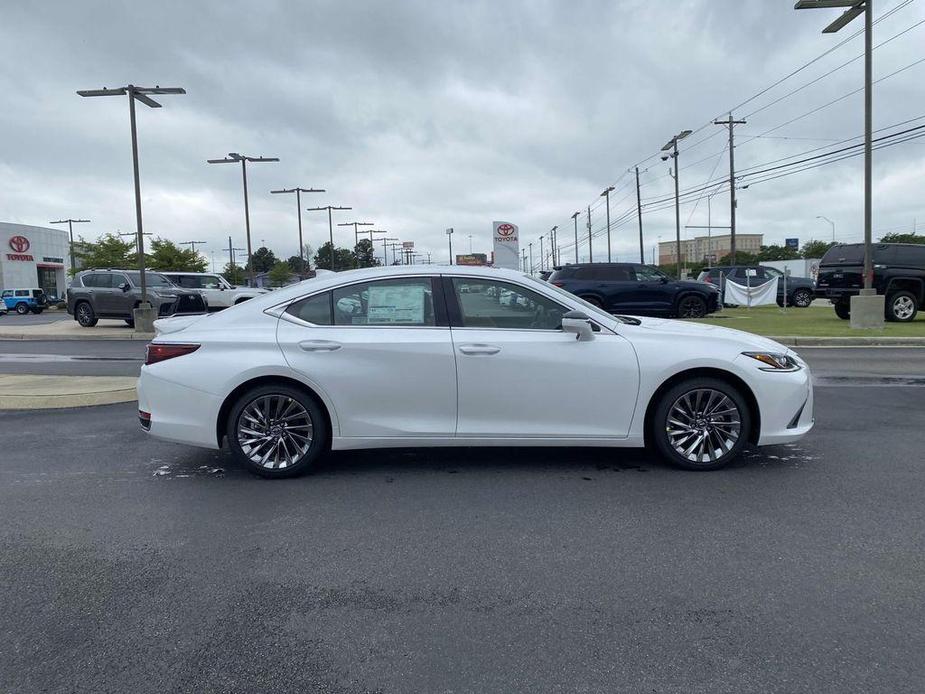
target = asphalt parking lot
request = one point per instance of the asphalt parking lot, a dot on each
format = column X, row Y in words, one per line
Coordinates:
column 136, row 565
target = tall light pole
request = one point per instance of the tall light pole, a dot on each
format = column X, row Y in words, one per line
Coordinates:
column 733, row 203
column 855, row 8
column 530, row 246
column 672, row 147
column 819, row 216
column 192, row 245
column 298, row 204
column 234, row 158
column 70, row 230
column 141, row 94
column 330, row 226
column 555, row 248
column 371, row 247
column 642, row 252
column 606, row 194
column 575, row 219
column 590, row 242
column 449, row 238
column 355, row 225
column 542, row 267
column 385, row 248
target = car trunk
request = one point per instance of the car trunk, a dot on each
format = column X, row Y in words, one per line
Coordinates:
column 842, row 267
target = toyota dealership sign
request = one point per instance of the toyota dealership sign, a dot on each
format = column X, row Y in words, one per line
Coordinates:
column 506, row 245
column 19, row 245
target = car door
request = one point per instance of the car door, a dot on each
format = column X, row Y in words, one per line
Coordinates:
column 104, row 292
column 381, row 351
column 212, row 289
column 520, row 376
column 655, row 291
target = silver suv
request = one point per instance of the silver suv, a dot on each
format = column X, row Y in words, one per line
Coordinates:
column 96, row 294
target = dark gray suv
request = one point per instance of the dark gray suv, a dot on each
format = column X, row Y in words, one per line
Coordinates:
column 96, row 294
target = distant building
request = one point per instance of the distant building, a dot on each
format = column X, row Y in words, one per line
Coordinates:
column 33, row 257
column 707, row 249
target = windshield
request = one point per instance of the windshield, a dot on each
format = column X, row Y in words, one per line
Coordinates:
column 773, row 272
column 151, row 279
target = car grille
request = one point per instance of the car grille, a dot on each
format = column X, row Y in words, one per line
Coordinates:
column 190, row 303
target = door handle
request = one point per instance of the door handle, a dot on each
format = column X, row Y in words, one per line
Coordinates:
column 479, row 349
column 319, row 346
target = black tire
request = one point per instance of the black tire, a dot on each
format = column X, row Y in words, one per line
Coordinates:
column 662, row 443
column 843, row 310
column 85, row 315
column 22, row 309
column 319, row 430
column 37, row 311
column 691, row 306
column 801, row 298
column 901, row 306
column 130, row 322
column 593, row 300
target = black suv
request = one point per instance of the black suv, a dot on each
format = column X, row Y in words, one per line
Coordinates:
column 636, row 288
column 800, row 290
column 899, row 274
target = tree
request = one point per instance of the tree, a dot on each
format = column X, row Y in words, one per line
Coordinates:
column 742, row 258
column 234, row 274
column 166, row 255
column 364, row 254
column 109, row 250
column 298, row 265
column 815, row 249
column 777, row 253
column 903, row 238
column 263, row 259
column 280, row 273
column 343, row 258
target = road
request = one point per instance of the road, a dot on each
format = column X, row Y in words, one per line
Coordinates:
column 13, row 319
column 136, row 565
column 72, row 357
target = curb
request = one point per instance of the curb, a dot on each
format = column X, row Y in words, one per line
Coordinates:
column 799, row 341
column 24, row 392
column 147, row 337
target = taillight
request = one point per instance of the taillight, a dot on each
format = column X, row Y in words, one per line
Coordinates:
column 161, row 352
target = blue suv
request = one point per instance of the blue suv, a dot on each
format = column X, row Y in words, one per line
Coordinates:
column 635, row 288
column 24, row 300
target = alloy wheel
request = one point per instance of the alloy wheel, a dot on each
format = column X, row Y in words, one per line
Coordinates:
column 903, row 307
column 703, row 425
column 692, row 307
column 802, row 299
column 275, row 431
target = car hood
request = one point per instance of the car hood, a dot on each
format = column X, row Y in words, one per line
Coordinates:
column 680, row 328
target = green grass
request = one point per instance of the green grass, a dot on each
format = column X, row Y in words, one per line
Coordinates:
column 815, row 321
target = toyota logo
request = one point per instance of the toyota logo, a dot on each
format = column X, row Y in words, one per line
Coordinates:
column 505, row 230
column 20, row 244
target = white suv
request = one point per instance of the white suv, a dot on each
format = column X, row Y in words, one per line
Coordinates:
column 214, row 288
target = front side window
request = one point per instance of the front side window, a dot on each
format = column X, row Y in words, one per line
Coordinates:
column 493, row 304
column 7, row 293
column 210, row 282
column 385, row 302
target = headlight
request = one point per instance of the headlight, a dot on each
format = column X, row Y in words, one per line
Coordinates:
column 774, row 362
column 166, row 296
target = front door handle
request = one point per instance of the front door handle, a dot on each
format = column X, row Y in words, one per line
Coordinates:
column 479, row 349
column 319, row 346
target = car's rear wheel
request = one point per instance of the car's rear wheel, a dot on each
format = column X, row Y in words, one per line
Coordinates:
column 85, row 315
column 692, row 306
column 701, row 424
column 801, row 298
column 277, row 431
column 22, row 309
column 843, row 310
column 901, row 307
column 37, row 310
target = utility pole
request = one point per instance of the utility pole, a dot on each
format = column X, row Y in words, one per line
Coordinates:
column 530, row 271
column 523, row 253
column 575, row 219
column 330, row 227
column 192, row 244
column 449, row 238
column 730, row 123
column 642, row 250
column 606, row 194
column 70, row 230
column 672, row 146
column 234, row 158
column 590, row 243
column 542, row 267
column 142, row 95
column 298, row 206
column 355, row 225
column 231, row 249
column 385, row 249
column 555, row 248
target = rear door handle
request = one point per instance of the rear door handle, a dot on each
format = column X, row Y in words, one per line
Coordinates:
column 319, row 346
column 479, row 349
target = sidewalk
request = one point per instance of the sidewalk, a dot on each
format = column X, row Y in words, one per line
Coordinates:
column 106, row 329
column 27, row 392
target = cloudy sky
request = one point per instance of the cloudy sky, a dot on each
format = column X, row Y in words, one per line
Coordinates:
column 422, row 115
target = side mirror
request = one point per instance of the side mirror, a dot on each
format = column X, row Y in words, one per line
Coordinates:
column 124, row 286
column 578, row 323
column 663, row 280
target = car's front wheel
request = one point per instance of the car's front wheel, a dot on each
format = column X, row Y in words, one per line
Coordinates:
column 22, row 309
column 692, row 306
column 701, row 424
column 901, row 306
column 801, row 298
column 277, row 431
column 85, row 314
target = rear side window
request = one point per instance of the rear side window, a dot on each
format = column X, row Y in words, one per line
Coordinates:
column 852, row 254
column 98, row 279
column 386, row 302
column 313, row 309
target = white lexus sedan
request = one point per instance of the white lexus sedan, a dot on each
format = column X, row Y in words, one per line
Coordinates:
column 419, row 356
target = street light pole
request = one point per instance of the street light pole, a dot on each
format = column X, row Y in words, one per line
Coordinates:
column 298, row 204
column 70, row 230
column 642, row 251
column 234, row 158
column 330, row 226
column 606, row 194
column 141, row 94
column 555, row 247
column 672, row 146
column 819, row 216
column 356, row 233
column 542, row 267
column 575, row 219
column 449, row 238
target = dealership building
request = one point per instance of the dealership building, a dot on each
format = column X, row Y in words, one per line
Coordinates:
column 33, row 257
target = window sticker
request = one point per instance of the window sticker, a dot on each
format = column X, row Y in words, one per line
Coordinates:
column 389, row 304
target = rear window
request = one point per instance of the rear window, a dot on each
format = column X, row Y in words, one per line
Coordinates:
column 852, row 254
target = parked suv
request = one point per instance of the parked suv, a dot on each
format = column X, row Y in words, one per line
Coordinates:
column 899, row 274
column 96, row 294
column 214, row 288
column 800, row 290
column 636, row 288
column 24, row 300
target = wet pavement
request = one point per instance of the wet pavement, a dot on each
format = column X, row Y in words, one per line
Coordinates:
column 136, row 565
